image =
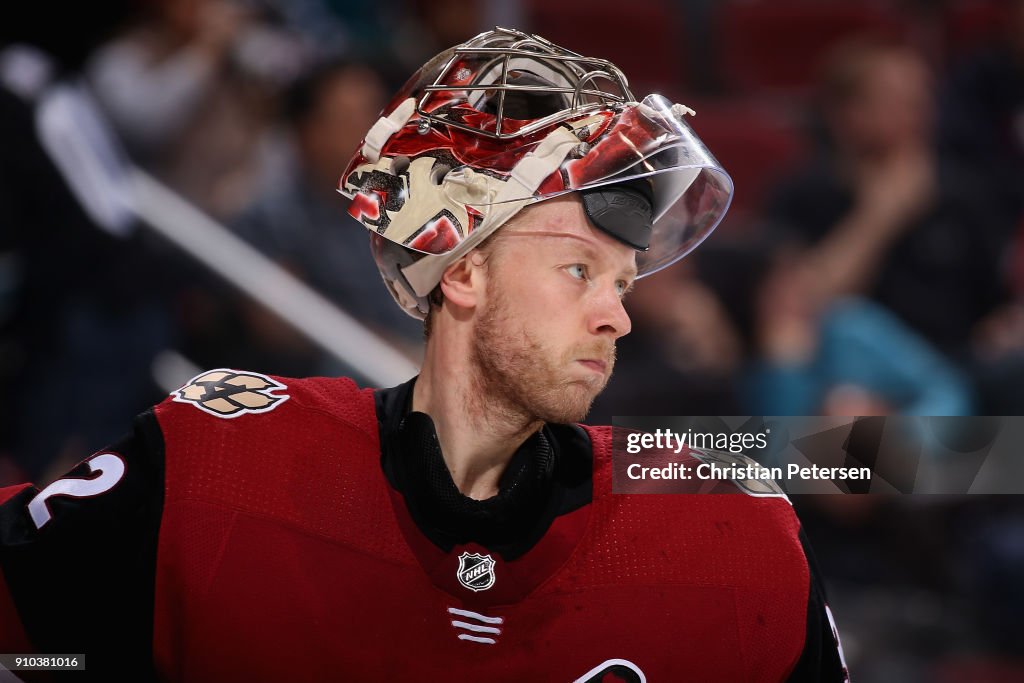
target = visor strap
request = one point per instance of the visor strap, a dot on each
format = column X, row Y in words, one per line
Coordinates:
column 533, row 168
column 524, row 179
column 385, row 127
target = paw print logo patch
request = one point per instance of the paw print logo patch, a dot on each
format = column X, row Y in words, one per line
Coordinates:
column 229, row 393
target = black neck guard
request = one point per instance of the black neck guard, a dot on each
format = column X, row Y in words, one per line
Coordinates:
column 435, row 501
column 548, row 475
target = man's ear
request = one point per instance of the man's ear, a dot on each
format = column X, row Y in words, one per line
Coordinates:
column 463, row 281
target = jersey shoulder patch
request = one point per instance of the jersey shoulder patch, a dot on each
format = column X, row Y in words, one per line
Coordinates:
column 751, row 477
column 227, row 393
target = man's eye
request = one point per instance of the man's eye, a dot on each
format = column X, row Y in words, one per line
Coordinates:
column 578, row 271
column 622, row 287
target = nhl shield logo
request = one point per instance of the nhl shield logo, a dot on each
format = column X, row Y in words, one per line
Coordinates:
column 476, row 571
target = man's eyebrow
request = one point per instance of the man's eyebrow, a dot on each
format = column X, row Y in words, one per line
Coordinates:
column 548, row 233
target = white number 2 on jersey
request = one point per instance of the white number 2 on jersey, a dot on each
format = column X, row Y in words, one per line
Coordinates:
column 111, row 469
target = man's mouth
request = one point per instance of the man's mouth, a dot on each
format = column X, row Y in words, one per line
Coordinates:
column 595, row 364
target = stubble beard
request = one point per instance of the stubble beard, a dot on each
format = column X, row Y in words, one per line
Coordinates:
column 519, row 377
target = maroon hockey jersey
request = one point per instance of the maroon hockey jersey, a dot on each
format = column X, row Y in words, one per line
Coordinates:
column 266, row 544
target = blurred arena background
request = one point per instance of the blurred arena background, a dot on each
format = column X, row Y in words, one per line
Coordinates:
column 872, row 263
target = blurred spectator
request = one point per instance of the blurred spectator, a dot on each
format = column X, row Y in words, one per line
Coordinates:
column 854, row 358
column 190, row 98
column 878, row 214
column 302, row 223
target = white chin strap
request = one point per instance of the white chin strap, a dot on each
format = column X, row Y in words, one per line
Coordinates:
column 514, row 194
column 384, row 128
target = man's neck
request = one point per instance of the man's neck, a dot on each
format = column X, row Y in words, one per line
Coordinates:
column 478, row 433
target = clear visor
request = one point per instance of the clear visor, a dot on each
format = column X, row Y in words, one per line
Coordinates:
column 691, row 191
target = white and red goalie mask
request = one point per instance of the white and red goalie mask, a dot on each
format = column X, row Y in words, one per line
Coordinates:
column 507, row 119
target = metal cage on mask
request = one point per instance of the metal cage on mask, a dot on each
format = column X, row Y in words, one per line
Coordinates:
column 527, row 55
column 508, row 119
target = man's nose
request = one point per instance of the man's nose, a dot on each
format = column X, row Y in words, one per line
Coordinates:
column 608, row 315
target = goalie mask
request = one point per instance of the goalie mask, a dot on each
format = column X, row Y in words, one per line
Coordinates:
column 507, row 119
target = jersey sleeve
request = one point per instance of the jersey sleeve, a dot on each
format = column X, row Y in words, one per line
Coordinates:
column 78, row 559
column 822, row 658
